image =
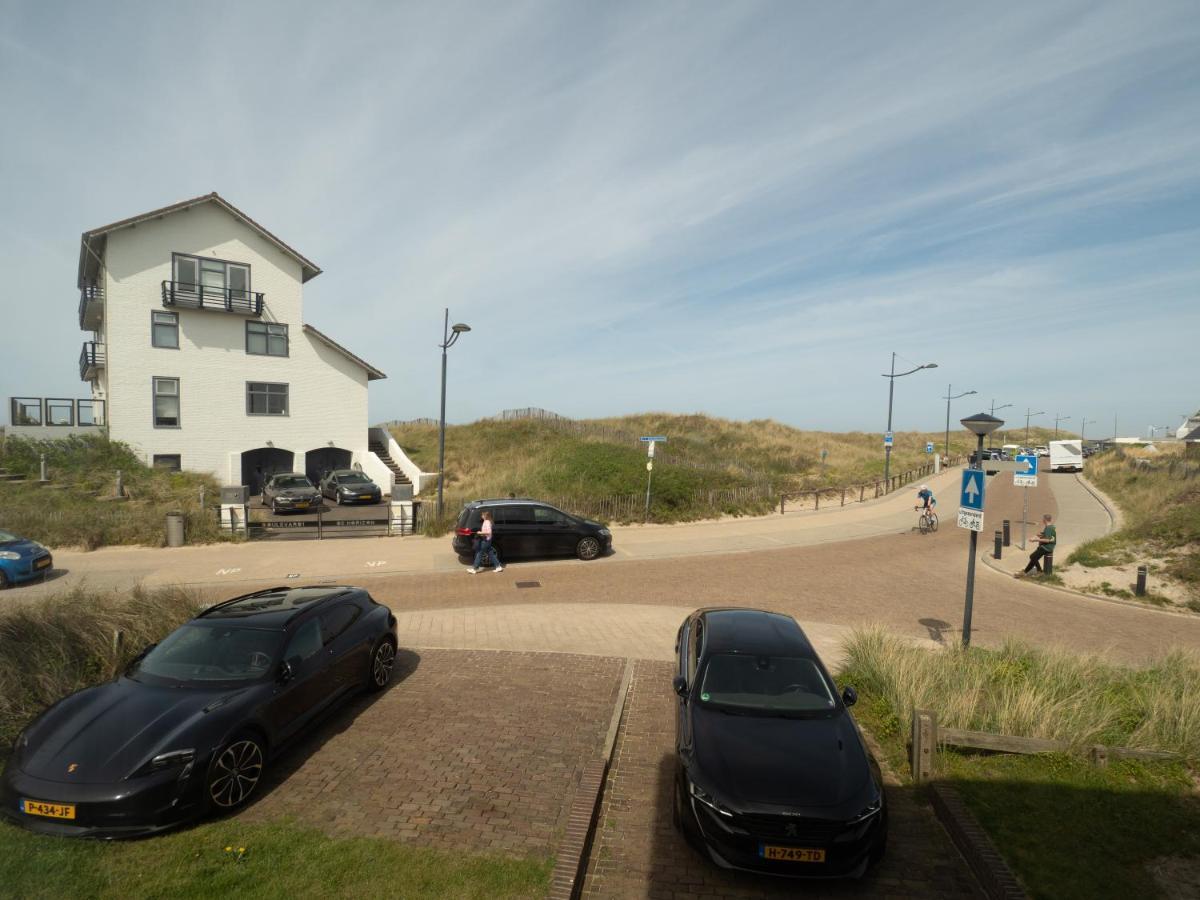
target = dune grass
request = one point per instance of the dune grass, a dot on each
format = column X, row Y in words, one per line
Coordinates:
column 76, row 509
column 52, row 647
column 1159, row 494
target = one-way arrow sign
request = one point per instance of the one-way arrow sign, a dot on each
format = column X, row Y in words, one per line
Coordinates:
column 972, row 490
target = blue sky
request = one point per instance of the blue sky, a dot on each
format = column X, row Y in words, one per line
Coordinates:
column 734, row 208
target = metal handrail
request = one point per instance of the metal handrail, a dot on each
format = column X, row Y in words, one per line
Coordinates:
column 196, row 296
column 87, row 293
column 90, row 357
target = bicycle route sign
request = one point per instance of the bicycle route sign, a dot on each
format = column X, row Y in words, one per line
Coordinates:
column 1026, row 477
column 970, row 501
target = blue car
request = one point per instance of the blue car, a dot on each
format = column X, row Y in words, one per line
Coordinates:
column 22, row 560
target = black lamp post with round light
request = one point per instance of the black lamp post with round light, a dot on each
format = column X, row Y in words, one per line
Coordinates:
column 981, row 425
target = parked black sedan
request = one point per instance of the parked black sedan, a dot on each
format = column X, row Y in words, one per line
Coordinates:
column 193, row 722
column 524, row 527
column 772, row 773
column 350, row 486
column 290, row 491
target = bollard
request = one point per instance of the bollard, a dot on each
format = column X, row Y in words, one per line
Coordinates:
column 999, row 543
column 1007, row 534
column 44, row 478
column 862, row 489
column 1140, row 590
column 816, row 500
column 1048, row 564
column 782, row 500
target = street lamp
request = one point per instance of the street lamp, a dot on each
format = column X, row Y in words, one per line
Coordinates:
column 948, row 398
column 1057, row 419
column 1029, row 415
column 994, row 408
column 887, row 450
column 1083, row 424
column 449, row 337
column 980, row 424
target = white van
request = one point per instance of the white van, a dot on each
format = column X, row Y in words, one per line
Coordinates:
column 1066, row 456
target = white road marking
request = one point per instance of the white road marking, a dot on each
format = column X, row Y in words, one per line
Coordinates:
column 293, row 575
column 377, row 563
column 228, row 571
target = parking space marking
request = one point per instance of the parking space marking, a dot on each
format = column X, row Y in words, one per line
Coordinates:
column 375, row 564
column 292, row 575
column 228, row 571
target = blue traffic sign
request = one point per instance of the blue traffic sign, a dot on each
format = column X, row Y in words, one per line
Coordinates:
column 887, row 439
column 929, row 446
column 972, row 490
column 657, row 438
column 1029, row 461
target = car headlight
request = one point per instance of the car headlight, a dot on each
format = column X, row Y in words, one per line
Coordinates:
column 8, row 554
column 604, row 532
column 872, row 809
column 20, row 745
column 707, row 799
column 170, row 760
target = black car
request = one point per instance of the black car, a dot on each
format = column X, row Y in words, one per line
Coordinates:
column 523, row 527
column 290, row 491
column 193, row 722
column 772, row 773
column 350, row 486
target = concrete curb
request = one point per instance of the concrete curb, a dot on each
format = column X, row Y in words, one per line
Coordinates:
column 566, row 881
column 993, row 873
column 1116, row 518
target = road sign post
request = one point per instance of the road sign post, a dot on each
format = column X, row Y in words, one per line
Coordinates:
column 971, row 503
column 650, row 441
column 1025, row 479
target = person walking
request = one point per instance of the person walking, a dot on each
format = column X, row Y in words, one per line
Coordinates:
column 1046, row 539
column 485, row 546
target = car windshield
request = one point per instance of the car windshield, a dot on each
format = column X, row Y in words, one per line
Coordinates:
column 5, row 537
column 292, row 481
column 354, row 478
column 211, row 651
column 774, row 685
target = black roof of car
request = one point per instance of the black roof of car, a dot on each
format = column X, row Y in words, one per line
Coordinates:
column 348, row 472
column 756, row 631
column 502, row 501
column 274, row 607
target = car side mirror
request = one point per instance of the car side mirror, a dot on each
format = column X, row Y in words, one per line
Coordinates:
column 287, row 669
column 680, row 685
column 849, row 696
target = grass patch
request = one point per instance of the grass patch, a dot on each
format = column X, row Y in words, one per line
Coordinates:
column 1069, row 830
column 53, row 647
column 75, row 510
column 281, row 860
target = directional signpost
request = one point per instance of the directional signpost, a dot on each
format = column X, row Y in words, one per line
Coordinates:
column 650, row 441
column 888, row 439
column 929, row 446
column 970, row 501
column 1025, row 478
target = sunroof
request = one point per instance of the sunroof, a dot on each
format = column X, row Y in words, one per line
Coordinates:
column 275, row 601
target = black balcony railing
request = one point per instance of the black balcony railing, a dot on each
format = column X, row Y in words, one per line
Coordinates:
column 197, row 296
column 91, row 307
column 91, row 360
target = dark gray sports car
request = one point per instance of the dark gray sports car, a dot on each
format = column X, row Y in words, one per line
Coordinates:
column 193, row 722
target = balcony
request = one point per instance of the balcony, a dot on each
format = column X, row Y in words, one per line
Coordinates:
column 182, row 295
column 91, row 307
column 91, row 360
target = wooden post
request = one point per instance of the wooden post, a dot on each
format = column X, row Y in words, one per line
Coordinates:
column 924, row 740
column 843, row 496
column 782, row 500
column 862, row 489
column 816, row 500
column 118, row 642
column 1098, row 756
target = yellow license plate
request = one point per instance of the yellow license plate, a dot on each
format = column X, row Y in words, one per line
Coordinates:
column 42, row 563
column 364, row 496
column 301, row 506
column 792, row 854
column 49, row 810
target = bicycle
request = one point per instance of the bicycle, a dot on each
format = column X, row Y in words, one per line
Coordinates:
column 928, row 520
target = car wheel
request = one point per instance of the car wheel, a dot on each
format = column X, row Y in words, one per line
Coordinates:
column 588, row 548
column 236, row 771
column 383, row 660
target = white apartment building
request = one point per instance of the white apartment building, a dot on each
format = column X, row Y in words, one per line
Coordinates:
column 200, row 353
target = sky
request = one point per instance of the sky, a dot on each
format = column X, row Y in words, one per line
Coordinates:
column 735, row 208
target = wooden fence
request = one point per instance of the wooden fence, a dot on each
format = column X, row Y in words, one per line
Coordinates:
column 927, row 737
column 856, row 493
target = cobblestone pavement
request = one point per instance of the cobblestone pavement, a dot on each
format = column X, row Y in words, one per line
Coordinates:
column 471, row 750
column 638, row 853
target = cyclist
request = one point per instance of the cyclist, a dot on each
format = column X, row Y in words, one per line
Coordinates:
column 925, row 500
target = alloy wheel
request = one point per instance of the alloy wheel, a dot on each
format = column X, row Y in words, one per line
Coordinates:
column 589, row 548
column 236, row 773
column 381, row 665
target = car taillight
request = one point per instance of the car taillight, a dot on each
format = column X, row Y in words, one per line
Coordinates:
column 463, row 532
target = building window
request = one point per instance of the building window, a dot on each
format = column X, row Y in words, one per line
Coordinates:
column 265, row 339
column 166, row 402
column 60, row 412
column 164, row 330
column 214, row 275
column 169, row 461
column 263, row 399
column 90, row 412
column 26, row 411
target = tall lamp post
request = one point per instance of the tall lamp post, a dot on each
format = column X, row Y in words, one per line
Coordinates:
column 1083, row 424
column 1029, row 415
column 887, row 450
column 1057, row 419
column 449, row 337
column 994, row 408
column 948, row 398
column 980, row 424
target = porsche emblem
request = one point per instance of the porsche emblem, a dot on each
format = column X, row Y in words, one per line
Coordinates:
column 71, row 768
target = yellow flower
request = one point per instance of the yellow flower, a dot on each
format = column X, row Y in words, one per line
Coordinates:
column 241, row 849
column 228, row 849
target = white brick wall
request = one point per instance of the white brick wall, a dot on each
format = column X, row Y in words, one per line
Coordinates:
column 327, row 391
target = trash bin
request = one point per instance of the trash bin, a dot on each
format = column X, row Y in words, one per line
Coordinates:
column 175, row 529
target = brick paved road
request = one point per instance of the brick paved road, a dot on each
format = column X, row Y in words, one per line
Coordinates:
column 471, row 750
column 638, row 853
